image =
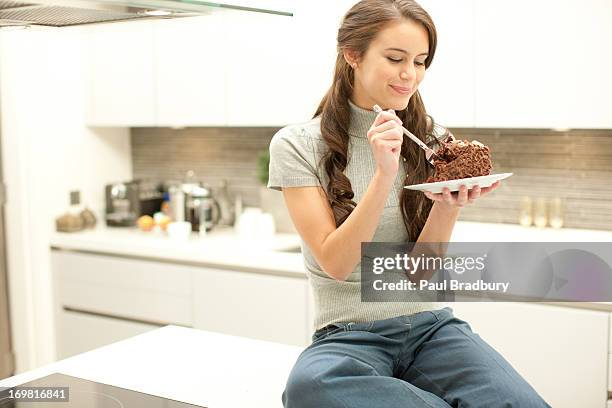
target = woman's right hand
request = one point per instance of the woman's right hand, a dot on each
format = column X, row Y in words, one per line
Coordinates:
column 386, row 137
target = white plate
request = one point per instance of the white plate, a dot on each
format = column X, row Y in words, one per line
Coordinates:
column 453, row 185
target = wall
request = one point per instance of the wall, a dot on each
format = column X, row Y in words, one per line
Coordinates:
column 575, row 166
column 46, row 151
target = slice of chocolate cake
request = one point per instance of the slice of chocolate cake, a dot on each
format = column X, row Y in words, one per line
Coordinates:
column 461, row 159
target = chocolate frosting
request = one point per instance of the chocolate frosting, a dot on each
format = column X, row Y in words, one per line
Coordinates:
column 461, row 159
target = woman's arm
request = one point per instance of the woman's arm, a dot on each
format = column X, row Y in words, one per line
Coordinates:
column 440, row 223
column 441, row 220
column 337, row 250
column 445, row 211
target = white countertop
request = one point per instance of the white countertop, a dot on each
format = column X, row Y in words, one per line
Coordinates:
column 467, row 231
column 225, row 246
column 193, row 366
column 222, row 247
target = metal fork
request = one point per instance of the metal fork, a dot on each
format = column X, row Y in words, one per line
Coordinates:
column 429, row 153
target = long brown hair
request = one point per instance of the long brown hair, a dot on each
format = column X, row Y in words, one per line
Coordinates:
column 359, row 27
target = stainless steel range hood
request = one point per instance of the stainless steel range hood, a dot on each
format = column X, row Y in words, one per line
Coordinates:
column 62, row 13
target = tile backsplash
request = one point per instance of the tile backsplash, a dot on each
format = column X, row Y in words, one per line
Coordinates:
column 575, row 166
column 214, row 154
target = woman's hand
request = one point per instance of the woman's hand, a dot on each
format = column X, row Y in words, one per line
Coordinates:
column 386, row 137
column 462, row 197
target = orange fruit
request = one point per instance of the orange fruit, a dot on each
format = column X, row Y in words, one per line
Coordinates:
column 163, row 222
column 146, row 223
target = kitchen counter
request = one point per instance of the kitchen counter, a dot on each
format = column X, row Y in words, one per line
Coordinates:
column 222, row 248
column 467, row 231
column 194, row 366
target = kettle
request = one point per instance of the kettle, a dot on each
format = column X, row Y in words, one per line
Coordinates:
column 201, row 209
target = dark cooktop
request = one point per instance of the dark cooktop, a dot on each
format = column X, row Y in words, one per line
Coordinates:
column 80, row 393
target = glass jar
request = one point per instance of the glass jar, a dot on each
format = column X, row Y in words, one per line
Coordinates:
column 556, row 213
column 526, row 212
column 540, row 214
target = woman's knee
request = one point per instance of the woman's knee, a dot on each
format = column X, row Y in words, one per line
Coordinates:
column 515, row 395
column 304, row 391
column 299, row 384
column 527, row 397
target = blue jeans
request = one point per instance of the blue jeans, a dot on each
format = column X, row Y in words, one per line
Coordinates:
column 429, row 359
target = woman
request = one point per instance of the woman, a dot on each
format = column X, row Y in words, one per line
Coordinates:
column 342, row 175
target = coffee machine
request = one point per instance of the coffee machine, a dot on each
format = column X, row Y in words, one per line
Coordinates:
column 127, row 201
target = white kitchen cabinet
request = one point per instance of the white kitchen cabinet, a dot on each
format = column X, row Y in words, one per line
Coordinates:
column 135, row 289
column 264, row 76
column 223, row 69
column 109, row 297
column 80, row 332
column 265, row 307
column 560, row 351
column 228, row 68
column 190, row 59
column 121, row 75
column 495, row 66
column 543, row 64
column 448, row 87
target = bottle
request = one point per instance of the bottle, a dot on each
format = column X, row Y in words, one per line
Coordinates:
column 165, row 208
column 177, row 203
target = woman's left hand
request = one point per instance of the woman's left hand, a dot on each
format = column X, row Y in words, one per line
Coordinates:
column 462, row 197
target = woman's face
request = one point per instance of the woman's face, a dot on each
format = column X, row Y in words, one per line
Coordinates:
column 392, row 68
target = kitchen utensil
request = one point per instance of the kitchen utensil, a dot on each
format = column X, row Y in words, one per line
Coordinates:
column 429, row 153
column 202, row 209
column 225, row 204
column 453, row 185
